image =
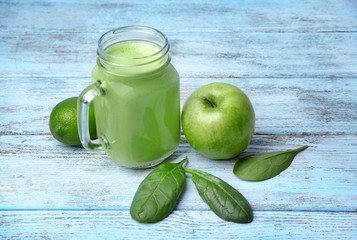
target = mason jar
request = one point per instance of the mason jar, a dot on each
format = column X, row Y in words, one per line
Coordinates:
column 136, row 95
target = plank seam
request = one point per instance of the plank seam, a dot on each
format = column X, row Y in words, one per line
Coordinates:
column 179, row 209
column 194, row 77
column 256, row 134
column 279, row 31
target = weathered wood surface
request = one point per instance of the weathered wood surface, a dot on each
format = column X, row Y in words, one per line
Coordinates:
column 48, row 175
column 208, row 38
column 179, row 16
column 282, row 105
column 296, row 60
column 179, row 225
column 227, row 54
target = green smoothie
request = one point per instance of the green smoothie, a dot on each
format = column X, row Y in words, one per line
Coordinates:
column 138, row 114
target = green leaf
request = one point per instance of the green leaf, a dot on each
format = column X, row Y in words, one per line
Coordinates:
column 266, row 165
column 224, row 200
column 158, row 193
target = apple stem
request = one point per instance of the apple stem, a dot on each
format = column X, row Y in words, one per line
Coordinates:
column 210, row 102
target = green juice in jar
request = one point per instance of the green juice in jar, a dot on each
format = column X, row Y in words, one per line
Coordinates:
column 138, row 114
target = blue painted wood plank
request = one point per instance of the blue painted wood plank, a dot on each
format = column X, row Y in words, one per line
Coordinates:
column 295, row 59
column 37, row 172
column 179, row 225
column 231, row 54
column 179, row 16
column 282, row 106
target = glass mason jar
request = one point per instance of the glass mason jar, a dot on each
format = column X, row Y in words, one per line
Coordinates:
column 136, row 95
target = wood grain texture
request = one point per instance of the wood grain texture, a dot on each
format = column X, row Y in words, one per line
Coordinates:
column 179, row 225
column 179, row 16
column 282, row 106
column 296, row 60
column 49, row 175
column 230, row 54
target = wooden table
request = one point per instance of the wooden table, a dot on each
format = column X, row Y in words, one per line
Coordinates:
column 296, row 60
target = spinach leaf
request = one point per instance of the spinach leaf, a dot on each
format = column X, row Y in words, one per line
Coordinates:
column 266, row 165
column 224, row 200
column 158, row 193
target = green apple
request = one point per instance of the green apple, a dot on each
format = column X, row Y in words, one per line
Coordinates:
column 218, row 120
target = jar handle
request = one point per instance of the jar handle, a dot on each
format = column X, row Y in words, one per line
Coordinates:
column 84, row 99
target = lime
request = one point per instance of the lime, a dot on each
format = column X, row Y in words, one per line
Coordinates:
column 63, row 122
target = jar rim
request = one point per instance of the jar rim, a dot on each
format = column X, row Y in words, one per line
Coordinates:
column 162, row 51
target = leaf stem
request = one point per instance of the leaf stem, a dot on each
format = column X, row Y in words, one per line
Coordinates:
column 184, row 162
column 190, row 171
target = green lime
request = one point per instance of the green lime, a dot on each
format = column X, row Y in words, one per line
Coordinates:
column 63, row 122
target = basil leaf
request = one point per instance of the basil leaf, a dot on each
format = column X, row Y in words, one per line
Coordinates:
column 224, row 200
column 266, row 165
column 158, row 193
